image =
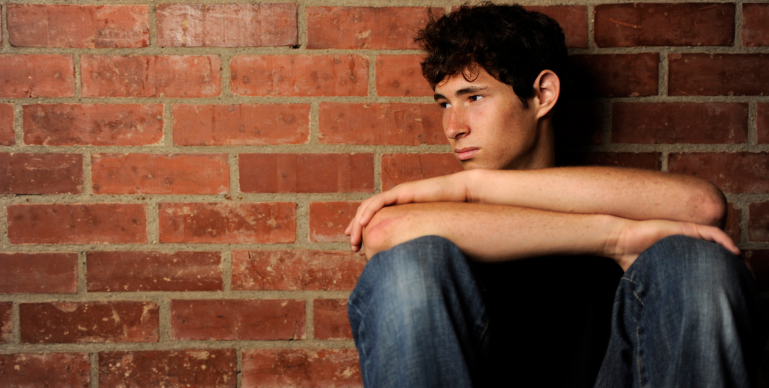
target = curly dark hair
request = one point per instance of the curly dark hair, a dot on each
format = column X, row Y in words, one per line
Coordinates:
column 512, row 44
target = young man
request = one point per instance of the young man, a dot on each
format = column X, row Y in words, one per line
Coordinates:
column 498, row 275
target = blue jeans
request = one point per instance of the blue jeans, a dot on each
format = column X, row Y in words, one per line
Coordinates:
column 686, row 314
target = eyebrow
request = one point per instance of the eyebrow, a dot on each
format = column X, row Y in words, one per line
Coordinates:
column 463, row 91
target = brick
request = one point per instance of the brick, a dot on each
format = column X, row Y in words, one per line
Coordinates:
column 93, row 124
column 718, row 74
column 365, row 27
column 328, row 220
column 28, row 75
column 94, row 223
column 299, row 75
column 154, row 271
column 571, row 18
column 6, row 322
column 671, row 123
column 759, row 260
column 758, row 224
column 78, row 26
column 306, row 173
column 160, row 174
column 226, row 25
column 762, row 122
column 203, row 368
column 7, row 136
column 88, row 322
column 738, row 172
column 400, row 168
column 578, row 122
column 330, row 319
column 50, row 370
column 616, row 75
column 684, row 24
column 643, row 160
column 401, row 75
column 293, row 270
column 732, row 227
column 41, row 173
column 301, row 368
column 241, row 124
column 755, row 25
column 235, row 223
column 266, row 320
column 184, row 76
column 38, row 273
column 387, row 124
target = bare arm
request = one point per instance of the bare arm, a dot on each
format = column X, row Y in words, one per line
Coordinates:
column 494, row 232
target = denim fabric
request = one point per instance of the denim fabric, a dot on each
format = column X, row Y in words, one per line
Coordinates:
column 422, row 316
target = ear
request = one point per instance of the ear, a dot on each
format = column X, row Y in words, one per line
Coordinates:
column 547, row 87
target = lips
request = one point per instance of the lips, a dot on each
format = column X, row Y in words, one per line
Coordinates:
column 466, row 153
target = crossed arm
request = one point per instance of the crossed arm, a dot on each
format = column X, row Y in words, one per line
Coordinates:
column 502, row 215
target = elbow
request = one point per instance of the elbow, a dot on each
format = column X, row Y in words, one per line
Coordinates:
column 712, row 207
column 378, row 234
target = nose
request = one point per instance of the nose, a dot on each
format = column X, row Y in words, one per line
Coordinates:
column 455, row 123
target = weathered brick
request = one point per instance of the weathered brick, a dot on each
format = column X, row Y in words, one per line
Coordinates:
column 306, row 173
column 226, row 25
column 578, row 122
column 241, row 124
column 571, row 18
column 670, row 123
column 38, row 273
column 616, row 75
column 758, row 224
column 154, row 271
column 684, row 24
column 6, row 323
column 330, row 319
column 203, row 368
column 643, row 160
column 732, row 227
column 84, row 322
column 7, row 136
column 299, row 75
column 718, row 74
column 295, row 270
column 365, row 27
column 41, row 173
column 738, row 172
column 29, row 75
column 93, row 124
column 80, row 26
column 50, row 370
column 328, row 220
column 755, row 24
column 389, row 124
column 400, row 168
column 762, row 122
column 401, row 75
column 77, row 223
column 151, row 76
column 759, row 260
column 235, row 223
column 267, row 320
column 160, row 174
column 279, row 368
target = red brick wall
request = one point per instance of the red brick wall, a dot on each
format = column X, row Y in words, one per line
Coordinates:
column 177, row 177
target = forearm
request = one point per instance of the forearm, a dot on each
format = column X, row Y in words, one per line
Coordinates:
column 491, row 232
column 626, row 193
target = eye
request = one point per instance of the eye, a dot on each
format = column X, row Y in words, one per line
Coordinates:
column 476, row 97
column 444, row 105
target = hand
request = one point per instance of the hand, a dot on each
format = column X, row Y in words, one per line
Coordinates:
column 449, row 188
column 634, row 237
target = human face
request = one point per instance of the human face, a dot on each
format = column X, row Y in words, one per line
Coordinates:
column 486, row 124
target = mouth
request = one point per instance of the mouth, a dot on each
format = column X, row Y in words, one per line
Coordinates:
column 466, row 153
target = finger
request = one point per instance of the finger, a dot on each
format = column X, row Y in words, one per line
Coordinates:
column 719, row 237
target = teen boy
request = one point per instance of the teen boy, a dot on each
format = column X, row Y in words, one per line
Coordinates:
column 427, row 311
